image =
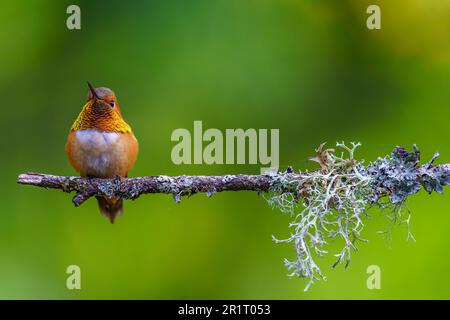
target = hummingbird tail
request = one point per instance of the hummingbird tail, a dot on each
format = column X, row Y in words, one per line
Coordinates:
column 110, row 207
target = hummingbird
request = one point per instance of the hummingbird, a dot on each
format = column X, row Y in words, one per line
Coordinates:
column 101, row 144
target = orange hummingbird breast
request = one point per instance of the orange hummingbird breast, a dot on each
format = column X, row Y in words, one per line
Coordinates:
column 98, row 115
column 100, row 153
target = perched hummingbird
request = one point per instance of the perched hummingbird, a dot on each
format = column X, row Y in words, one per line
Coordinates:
column 101, row 144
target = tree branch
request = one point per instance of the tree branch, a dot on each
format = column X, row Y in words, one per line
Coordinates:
column 397, row 176
column 334, row 198
column 131, row 188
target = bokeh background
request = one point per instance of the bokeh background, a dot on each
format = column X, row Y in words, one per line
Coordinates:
column 310, row 68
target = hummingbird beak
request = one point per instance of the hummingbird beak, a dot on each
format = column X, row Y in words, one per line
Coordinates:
column 94, row 94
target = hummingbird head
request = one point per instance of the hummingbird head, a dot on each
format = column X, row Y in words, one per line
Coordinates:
column 101, row 112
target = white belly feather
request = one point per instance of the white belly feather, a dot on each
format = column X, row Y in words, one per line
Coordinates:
column 100, row 151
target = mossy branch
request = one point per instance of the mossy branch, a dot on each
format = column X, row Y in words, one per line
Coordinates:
column 334, row 199
column 283, row 182
column 132, row 188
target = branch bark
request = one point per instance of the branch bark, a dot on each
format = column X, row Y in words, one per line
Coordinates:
column 397, row 176
column 131, row 188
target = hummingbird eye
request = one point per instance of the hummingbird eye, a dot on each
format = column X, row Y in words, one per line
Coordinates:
column 111, row 103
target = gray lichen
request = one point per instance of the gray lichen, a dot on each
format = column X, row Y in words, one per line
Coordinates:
column 335, row 199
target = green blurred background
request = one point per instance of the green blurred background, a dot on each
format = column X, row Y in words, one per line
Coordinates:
column 310, row 68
